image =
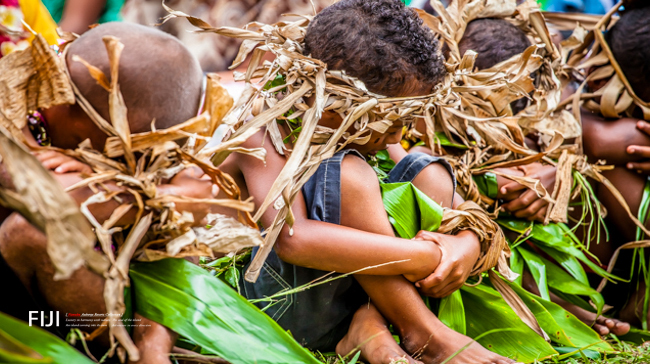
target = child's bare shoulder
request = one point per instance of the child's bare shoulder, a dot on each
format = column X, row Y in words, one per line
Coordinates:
column 357, row 177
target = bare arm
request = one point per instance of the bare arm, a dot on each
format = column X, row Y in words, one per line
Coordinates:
column 609, row 140
column 79, row 14
column 326, row 246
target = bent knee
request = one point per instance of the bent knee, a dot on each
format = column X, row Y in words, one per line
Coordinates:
column 437, row 182
column 22, row 246
column 20, row 240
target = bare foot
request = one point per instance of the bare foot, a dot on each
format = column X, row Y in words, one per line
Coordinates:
column 445, row 343
column 601, row 324
column 369, row 333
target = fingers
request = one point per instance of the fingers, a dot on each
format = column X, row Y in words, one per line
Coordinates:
column 449, row 288
column 73, row 166
column 531, row 211
column 644, row 126
column 640, row 167
column 434, row 279
column 53, row 162
column 639, row 150
column 444, row 281
column 41, row 156
column 426, row 235
column 522, row 201
column 540, row 216
column 509, row 191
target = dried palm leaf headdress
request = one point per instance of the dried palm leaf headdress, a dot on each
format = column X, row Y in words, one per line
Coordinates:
column 298, row 77
column 38, row 78
column 617, row 98
column 484, row 122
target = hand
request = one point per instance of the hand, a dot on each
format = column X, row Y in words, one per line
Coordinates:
column 509, row 189
column 61, row 163
column 193, row 183
column 459, row 254
column 640, row 151
column 528, row 205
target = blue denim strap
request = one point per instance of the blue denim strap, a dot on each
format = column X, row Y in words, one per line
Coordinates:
column 411, row 165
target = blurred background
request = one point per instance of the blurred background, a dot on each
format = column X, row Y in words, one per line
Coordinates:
column 214, row 52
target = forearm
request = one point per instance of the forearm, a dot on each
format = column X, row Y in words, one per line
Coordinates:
column 331, row 247
column 608, row 140
column 79, row 14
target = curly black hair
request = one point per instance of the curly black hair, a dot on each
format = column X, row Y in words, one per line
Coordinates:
column 629, row 40
column 495, row 40
column 381, row 42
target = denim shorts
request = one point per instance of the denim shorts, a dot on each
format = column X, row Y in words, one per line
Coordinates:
column 319, row 317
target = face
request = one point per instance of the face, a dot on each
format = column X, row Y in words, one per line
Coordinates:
column 380, row 141
column 68, row 125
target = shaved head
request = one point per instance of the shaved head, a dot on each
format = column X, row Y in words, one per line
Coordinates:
column 158, row 77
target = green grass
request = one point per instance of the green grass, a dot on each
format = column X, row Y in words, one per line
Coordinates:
column 626, row 353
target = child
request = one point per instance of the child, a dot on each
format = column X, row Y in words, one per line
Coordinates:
column 398, row 58
column 495, row 41
column 624, row 143
column 160, row 81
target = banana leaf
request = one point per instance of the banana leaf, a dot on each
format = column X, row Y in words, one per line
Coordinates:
column 486, row 310
column 517, row 265
column 452, row 312
column 441, row 138
column 562, row 326
column 549, row 275
column 555, row 236
column 487, row 184
column 537, row 269
column 409, row 209
column 202, row 308
column 24, row 344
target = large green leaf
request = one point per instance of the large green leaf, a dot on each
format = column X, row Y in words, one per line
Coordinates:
column 563, row 327
column 487, row 184
column 485, row 310
column 537, row 269
column 560, row 280
column 21, row 343
column 409, row 209
column 452, row 312
column 568, row 262
column 555, row 236
column 517, row 265
column 200, row 307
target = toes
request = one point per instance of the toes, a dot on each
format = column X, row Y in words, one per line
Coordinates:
column 621, row 328
column 617, row 327
column 601, row 329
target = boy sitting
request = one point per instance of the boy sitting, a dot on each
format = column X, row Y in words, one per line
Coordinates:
column 340, row 223
column 625, row 144
column 160, row 80
column 495, row 41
